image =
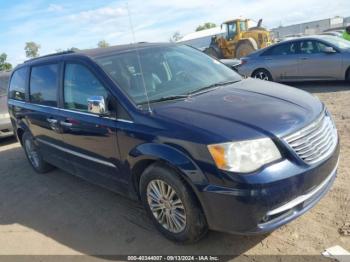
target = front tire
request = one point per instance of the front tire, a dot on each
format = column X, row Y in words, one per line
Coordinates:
column 262, row 74
column 171, row 205
column 33, row 155
column 347, row 76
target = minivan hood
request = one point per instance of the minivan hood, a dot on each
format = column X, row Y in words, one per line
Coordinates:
column 271, row 109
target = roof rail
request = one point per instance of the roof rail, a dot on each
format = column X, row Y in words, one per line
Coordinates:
column 49, row 55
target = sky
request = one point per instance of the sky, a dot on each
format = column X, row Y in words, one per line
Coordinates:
column 76, row 23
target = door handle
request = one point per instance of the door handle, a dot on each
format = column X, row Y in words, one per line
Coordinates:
column 67, row 124
column 52, row 120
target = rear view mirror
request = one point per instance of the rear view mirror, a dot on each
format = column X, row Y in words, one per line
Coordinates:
column 97, row 105
column 328, row 50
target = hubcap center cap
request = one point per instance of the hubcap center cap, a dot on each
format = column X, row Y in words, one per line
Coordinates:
column 167, row 205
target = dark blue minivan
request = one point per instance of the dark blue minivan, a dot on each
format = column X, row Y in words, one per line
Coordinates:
column 165, row 124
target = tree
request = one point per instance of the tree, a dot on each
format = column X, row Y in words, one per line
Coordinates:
column 205, row 26
column 73, row 49
column 176, row 37
column 60, row 50
column 32, row 49
column 102, row 44
column 4, row 66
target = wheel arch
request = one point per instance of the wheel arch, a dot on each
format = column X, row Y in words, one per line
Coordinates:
column 148, row 154
column 20, row 130
column 20, row 133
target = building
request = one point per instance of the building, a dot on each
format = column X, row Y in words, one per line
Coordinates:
column 310, row 28
column 201, row 39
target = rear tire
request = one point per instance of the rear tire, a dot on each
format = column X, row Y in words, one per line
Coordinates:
column 171, row 205
column 33, row 155
column 262, row 74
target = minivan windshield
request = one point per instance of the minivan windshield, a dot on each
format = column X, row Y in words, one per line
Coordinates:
column 166, row 72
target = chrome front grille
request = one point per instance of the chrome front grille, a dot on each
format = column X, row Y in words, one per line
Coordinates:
column 316, row 141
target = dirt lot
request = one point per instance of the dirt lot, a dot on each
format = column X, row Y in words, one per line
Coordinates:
column 61, row 214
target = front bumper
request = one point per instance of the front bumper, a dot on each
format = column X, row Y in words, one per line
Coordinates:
column 265, row 206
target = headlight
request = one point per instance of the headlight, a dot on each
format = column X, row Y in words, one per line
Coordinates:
column 244, row 156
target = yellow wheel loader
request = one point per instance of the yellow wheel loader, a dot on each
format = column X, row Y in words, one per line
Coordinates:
column 238, row 40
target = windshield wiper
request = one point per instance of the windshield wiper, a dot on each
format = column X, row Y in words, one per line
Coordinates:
column 210, row 87
column 165, row 98
column 195, row 92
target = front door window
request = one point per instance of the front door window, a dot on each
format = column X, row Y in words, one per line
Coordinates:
column 79, row 85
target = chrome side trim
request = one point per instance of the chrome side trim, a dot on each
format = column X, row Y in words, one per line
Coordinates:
column 72, row 111
column 303, row 198
column 77, row 153
column 16, row 101
column 124, row 120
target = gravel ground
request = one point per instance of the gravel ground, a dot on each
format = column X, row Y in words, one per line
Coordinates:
column 60, row 214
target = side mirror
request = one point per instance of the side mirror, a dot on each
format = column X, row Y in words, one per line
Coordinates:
column 97, row 105
column 328, row 50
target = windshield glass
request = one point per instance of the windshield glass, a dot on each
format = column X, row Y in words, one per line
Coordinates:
column 168, row 71
column 338, row 42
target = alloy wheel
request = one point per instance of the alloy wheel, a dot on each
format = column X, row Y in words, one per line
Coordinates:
column 166, row 206
column 32, row 153
column 262, row 75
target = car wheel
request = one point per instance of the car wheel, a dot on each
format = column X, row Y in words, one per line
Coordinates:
column 347, row 77
column 171, row 205
column 33, row 154
column 262, row 74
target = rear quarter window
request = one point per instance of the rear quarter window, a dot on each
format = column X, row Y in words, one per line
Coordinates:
column 17, row 84
column 44, row 84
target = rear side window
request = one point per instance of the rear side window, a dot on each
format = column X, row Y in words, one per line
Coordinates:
column 308, row 47
column 311, row 47
column 17, row 84
column 79, row 85
column 282, row 49
column 44, row 84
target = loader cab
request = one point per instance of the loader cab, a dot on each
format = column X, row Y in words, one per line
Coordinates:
column 234, row 28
